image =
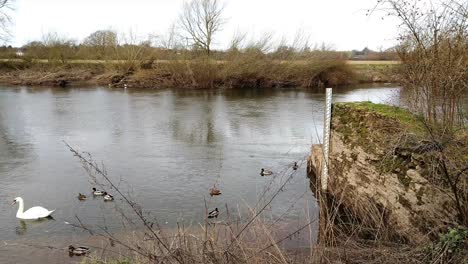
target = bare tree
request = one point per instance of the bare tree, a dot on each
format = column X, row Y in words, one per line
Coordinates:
column 35, row 50
column 103, row 41
column 101, row 38
column 433, row 51
column 5, row 19
column 433, row 43
column 263, row 45
column 237, row 41
column 58, row 48
column 171, row 40
column 201, row 20
column 301, row 41
column 131, row 51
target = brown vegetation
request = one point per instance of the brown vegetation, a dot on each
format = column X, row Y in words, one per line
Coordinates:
column 181, row 59
column 433, row 45
column 138, row 68
column 231, row 238
column 433, row 51
column 388, row 187
column 198, row 73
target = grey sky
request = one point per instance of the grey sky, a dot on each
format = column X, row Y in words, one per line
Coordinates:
column 338, row 22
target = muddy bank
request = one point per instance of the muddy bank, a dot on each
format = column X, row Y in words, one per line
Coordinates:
column 194, row 75
column 27, row 74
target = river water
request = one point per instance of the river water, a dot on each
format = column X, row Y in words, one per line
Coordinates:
column 165, row 148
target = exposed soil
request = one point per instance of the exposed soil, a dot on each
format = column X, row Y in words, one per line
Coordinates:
column 181, row 75
column 382, row 187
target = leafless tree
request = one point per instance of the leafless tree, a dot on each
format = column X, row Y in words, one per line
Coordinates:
column 237, row 41
column 131, row 51
column 433, row 51
column 103, row 41
column 433, row 43
column 101, row 38
column 171, row 40
column 201, row 20
column 58, row 48
column 301, row 41
column 264, row 44
column 5, row 19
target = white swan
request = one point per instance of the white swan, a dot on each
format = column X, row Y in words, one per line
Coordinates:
column 32, row 213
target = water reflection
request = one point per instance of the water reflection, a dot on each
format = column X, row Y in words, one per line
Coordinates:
column 170, row 146
column 22, row 228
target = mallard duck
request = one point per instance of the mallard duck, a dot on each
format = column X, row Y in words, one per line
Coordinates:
column 264, row 172
column 214, row 191
column 108, row 197
column 295, row 166
column 98, row 192
column 214, row 213
column 81, row 197
column 78, row 251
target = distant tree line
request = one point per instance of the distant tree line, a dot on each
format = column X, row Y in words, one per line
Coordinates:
column 191, row 36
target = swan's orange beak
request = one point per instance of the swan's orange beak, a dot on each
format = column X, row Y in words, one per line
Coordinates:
column 14, row 201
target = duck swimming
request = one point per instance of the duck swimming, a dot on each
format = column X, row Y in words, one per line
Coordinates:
column 98, row 192
column 295, row 166
column 77, row 251
column 32, row 213
column 214, row 191
column 81, row 197
column 264, row 172
column 108, row 197
column 214, row 213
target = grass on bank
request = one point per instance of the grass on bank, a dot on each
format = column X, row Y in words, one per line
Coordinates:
column 397, row 113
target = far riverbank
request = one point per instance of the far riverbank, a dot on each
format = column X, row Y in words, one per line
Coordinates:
column 197, row 74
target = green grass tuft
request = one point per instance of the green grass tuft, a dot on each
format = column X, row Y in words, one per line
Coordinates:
column 397, row 113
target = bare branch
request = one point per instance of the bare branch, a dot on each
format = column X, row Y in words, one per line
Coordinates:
column 201, row 20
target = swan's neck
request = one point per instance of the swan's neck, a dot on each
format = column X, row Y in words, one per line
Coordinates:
column 20, row 208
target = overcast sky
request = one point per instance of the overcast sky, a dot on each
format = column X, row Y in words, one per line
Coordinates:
column 342, row 23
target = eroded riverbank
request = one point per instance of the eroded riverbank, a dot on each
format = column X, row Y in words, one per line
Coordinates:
column 386, row 188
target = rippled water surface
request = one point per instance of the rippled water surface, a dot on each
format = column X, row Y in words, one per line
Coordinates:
column 164, row 147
